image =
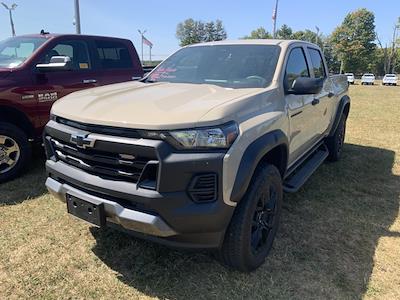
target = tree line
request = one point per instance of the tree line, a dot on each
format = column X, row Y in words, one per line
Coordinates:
column 354, row 46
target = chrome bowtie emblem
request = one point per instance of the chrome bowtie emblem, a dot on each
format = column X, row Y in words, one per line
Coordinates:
column 82, row 141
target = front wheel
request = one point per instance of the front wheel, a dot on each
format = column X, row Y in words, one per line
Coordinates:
column 254, row 224
column 15, row 151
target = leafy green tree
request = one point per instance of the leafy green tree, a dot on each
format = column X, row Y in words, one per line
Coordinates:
column 189, row 32
column 192, row 32
column 220, row 32
column 330, row 56
column 284, row 33
column 259, row 33
column 209, row 32
column 353, row 41
column 306, row 35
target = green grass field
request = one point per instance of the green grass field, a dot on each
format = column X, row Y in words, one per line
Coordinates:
column 339, row 236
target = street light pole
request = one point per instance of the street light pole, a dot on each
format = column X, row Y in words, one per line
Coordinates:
column 77, row 18
column 142, row 34
column 274, row 17
column 317, row 37
column 10, row 9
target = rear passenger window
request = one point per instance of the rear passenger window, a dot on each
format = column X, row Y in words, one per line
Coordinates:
column 296, row 67
column 317, row 63
column 113, row 55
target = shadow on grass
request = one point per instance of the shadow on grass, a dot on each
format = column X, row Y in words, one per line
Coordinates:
column 324, row 249
column 27, row 186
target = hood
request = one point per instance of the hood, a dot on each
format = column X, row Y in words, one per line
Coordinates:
column 146, row 105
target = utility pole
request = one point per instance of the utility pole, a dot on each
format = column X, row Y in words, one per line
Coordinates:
column 142, row 35
column 77, row 21
column 274, row 17
column 10, row 9
column 317, row 37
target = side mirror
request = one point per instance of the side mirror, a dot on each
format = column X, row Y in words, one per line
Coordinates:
column 57, row 63
column 306, row 86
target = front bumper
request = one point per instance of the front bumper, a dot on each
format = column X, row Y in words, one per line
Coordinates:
column 167, row 214
column 116, row 213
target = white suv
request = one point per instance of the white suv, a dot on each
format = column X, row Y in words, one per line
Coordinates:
column 390, row 79
column 350, row 78
column 368, row 79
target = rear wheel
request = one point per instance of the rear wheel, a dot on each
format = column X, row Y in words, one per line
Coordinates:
column 254, row 224
column 335, row 143
column 15, row 151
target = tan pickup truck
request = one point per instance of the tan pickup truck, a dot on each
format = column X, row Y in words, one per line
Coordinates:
column 200, row 152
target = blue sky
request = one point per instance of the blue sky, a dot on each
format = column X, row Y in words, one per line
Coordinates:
column 122, row 18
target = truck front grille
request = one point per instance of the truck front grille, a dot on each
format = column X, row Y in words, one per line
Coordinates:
column 109, row 164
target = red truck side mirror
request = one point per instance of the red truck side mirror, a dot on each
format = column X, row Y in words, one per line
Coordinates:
column 57, row 63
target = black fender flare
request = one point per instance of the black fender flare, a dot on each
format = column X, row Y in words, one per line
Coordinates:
column 17, row 117
column 342, row 105
column 252, row 157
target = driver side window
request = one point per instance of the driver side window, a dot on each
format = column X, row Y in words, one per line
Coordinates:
column 296, row 67
column 77, row 51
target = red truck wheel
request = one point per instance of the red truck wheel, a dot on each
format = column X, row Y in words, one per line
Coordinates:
column 15, row 151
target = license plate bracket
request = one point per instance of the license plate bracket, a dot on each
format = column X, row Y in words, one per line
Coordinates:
column 90, row 212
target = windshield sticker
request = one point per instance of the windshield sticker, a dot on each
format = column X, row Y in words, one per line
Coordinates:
column 163, row 73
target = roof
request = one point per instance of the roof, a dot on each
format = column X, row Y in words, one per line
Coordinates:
column 54, row 35
column 273, row 42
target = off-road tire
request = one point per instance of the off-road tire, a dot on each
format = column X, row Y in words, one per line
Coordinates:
column 25, row 151
column 335, row 143
column 237, row 251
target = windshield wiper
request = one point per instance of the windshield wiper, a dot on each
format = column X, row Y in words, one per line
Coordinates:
column 148, row 80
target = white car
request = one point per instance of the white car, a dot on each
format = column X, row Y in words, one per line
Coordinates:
column 390, row 79
column 368, row 79
column 350, row 78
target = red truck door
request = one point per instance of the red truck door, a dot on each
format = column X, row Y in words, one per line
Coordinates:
column 51, row 86
column 117, row 60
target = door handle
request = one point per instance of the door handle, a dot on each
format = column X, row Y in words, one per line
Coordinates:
column 89, row 81
column 315, row 101
column 330, row 95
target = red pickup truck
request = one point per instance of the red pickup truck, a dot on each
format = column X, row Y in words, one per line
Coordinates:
column 36, row 70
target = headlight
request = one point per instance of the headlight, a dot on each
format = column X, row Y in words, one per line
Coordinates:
column 221, row 137
column 53, row 117
column 215, row 137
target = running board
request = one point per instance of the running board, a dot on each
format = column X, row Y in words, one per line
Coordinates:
column 295, row 181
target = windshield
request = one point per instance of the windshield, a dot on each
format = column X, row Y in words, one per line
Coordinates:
column 390, row 75
column 14, row 51
column 231, row 66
